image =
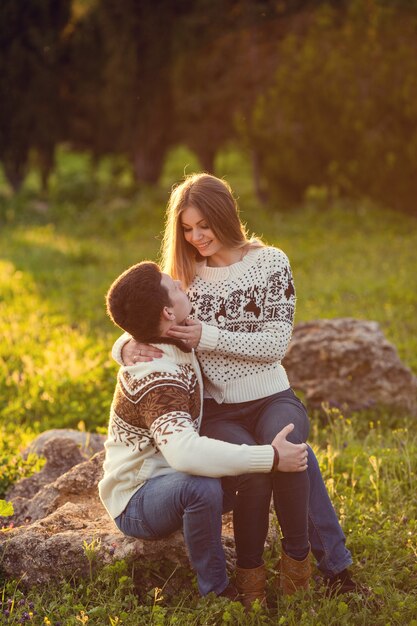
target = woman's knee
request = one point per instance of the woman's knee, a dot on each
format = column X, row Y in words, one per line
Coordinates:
column 273, row 422
column 297, row 435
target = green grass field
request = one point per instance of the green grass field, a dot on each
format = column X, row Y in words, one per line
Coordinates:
column 57, row 258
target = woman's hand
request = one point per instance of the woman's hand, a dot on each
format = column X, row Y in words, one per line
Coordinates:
column 190, row 334
column 134, row 352
column 292, row 456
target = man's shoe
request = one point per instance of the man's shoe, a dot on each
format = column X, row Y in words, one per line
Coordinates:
column 231, row 593
column 343, row 583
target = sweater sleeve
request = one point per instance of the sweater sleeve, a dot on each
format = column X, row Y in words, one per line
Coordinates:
column 117, row 348
column 171, row 426
column 269, row 344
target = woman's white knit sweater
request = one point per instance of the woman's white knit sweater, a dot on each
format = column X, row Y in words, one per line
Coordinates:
column 153, row 430
column 247, row 313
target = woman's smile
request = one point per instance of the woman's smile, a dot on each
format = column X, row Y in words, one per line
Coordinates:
column 201, row 245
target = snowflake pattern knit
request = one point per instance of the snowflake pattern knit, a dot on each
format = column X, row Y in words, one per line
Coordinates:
column 247, row 313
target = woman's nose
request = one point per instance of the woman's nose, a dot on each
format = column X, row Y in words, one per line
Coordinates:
column 197, row 235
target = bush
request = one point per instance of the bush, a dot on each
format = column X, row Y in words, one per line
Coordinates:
column 342, row 112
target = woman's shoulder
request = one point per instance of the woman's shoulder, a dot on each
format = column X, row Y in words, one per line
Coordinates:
column 270, row 255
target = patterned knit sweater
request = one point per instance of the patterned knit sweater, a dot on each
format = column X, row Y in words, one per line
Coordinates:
column 247, row 313
column 153, row 430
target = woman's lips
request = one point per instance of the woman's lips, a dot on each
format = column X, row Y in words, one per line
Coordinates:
column 202, row 246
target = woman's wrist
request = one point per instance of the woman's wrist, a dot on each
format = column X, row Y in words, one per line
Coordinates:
column 276, row 459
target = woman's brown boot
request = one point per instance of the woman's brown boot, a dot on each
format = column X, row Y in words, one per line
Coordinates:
column 251, row 584
column 294, row 575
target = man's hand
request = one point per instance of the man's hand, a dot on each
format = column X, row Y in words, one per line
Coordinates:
column 292, row 456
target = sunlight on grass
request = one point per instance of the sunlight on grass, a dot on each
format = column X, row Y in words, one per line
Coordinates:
column 57, row 261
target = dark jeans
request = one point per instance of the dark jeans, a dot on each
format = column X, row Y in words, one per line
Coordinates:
column 257, row 422
column 327, row 539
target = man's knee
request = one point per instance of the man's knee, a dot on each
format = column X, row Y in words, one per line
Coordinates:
column 206, row 490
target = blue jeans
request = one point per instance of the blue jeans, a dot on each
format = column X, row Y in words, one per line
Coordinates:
column 327, row 539
column 194, row 504
column 257, row 422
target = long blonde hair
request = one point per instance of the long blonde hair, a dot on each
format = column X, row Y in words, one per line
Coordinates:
column 213, row 197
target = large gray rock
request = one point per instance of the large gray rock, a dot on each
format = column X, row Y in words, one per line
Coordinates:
column 61, row 454
column 77, row 485
column 88, row 443
column 349, row 363
column 55, row 547
column 55, row 526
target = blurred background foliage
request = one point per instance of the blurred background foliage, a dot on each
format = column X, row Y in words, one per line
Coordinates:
column 321, row 95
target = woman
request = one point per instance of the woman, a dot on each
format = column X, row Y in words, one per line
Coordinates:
column 243, row 299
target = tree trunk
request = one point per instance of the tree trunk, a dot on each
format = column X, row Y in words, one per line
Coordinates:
column 148, row 164
column 260, row 191
column 15, row 171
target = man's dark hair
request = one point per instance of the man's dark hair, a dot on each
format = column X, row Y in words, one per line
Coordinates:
column 136, row 300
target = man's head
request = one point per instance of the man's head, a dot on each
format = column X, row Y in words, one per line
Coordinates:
column 146, row 303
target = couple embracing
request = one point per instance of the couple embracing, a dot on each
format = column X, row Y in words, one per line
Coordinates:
column 203, row 418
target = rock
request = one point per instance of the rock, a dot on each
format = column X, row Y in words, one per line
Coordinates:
column 61, row 454
column 55, row 547
column 62, row 448
column 78, row 485
column 348, row 363
column 88, row 443
column 66, row 516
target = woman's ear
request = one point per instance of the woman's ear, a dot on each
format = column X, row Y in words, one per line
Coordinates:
column 168, row 314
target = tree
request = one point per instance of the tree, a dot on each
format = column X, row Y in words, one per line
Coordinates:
column 136, row 90
column 31, row 46
column 342, row 112
column 225, row 56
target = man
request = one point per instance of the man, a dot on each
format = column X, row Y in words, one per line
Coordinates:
column 159, row 474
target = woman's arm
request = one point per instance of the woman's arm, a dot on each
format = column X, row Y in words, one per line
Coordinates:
column 267, row 345
column 118, row 347
column 127, row 351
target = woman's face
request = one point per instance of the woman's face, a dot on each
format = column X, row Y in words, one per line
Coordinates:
column 198, row 233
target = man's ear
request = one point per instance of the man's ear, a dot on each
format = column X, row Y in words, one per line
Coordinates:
column 168, row 314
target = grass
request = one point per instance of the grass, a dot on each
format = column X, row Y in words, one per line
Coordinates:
column 58, row 256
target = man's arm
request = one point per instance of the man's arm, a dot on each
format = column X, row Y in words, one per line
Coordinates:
column 166, row 413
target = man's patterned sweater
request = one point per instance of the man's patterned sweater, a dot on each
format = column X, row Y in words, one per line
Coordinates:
column 153, row 430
